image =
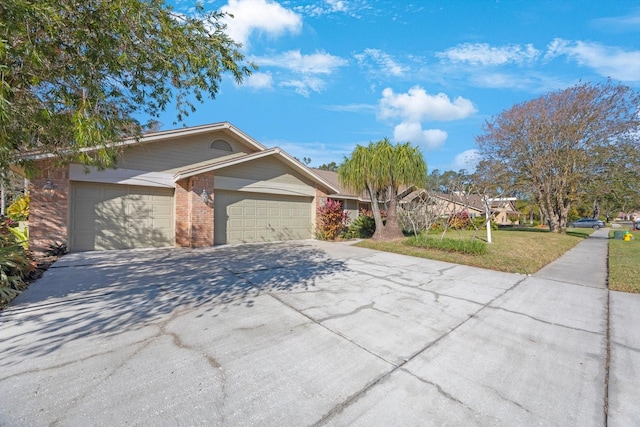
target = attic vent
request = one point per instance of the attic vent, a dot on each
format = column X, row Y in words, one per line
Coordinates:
column 221, row 144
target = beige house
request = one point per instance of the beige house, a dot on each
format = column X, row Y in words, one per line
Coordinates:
column 191, row 187
column 352, row 203
column 446, row 204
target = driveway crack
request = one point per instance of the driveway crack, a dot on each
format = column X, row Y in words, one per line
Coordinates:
column 354, row 397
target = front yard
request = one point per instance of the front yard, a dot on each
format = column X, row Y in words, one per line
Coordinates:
column 512, row 251
column 525, row 252
column 624, row 264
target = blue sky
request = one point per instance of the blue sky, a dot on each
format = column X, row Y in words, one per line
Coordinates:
column 337, row 73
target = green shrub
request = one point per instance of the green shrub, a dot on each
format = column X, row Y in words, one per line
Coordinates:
column 21, row 236
column 466, row 246
column 14, row 267
column 362, row 227
column 19, row 209
column 478, row 223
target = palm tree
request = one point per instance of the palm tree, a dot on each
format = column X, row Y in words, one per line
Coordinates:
column 381, row 169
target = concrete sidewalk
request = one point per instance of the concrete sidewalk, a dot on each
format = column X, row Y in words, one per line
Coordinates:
column 317, row 333
column 586, row 265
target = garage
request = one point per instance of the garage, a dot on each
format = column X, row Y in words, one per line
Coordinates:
column 241, row 217
column 111, row 216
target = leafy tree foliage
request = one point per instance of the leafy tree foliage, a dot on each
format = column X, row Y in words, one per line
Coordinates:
column 333, row 167
column 447, row 181
column 380, row 169
column 77, row 73
column 559, row 145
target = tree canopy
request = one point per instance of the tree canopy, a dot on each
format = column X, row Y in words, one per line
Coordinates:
column 381, row 169
column 332, row 166
column 558, row 146
column 80, row 73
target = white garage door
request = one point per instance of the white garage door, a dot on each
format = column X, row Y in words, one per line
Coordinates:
column 108, row 216
column 251, row 217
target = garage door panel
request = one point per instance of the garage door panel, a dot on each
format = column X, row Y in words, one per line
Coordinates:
column 263, row 217
column 109, row 216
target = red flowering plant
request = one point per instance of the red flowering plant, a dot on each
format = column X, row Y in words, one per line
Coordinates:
column 332, row 220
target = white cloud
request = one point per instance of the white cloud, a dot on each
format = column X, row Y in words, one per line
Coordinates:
column 467, row 160
column 317, row 63
column 417, row 105
column 263, row 16
column 623, row 23
column 383, row 62
column 305, row 85
column 353, row 108
column 329, row 6
column 413, row 132
column 259, row 81
column 486, row 55
column 532, row 82
column 608, row 61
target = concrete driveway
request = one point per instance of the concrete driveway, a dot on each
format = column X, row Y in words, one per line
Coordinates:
column 299, row 333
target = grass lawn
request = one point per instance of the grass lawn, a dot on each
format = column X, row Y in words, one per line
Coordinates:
column 624, row 264
column 513, row 251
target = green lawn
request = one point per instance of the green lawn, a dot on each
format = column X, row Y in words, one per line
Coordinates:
column 513, row 251
column 624, row 264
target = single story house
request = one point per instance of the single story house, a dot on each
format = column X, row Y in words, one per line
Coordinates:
column 446, row 204
column 354, row 204
column 191, row 187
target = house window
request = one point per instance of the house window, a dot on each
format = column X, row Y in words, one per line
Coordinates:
column 221, row 144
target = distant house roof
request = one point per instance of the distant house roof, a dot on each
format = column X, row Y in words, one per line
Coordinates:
column 342, row 193
column 468, row 201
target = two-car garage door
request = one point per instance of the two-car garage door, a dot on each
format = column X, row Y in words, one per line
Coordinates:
column 252, row 217
column 109, row 216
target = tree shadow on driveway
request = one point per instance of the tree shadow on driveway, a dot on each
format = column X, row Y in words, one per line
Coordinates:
column 104, row 293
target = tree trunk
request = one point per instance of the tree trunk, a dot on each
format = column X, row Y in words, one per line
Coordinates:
column 375, row 208
column 391, row 229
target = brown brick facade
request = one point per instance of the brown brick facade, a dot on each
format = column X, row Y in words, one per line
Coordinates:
column 194, row 217
column 48, row 216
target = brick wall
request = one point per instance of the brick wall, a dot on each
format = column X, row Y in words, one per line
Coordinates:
column 48, row 216
column 320, row 196
column 194, row 217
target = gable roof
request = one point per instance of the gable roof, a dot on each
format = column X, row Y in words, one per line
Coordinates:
column 166, row 135
column 470, row 201
column 276, row 152
column 340, row 192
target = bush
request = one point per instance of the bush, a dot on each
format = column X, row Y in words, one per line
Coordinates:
column 471, row 247
column 362, row 227
column 459, row 220
column 19, row 209
column 478, row 223
column 14, row 267
column 332, row 220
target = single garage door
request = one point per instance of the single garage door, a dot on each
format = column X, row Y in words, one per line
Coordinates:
column 252, row 217
column 109, row 216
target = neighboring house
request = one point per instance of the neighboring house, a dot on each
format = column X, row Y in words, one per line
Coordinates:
column 352, row 203
column 190, row 187
column 446, row 204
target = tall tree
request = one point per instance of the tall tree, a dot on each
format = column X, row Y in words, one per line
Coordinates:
column 380, row 169
column 333, row 167
column 557, row 144
column 79, row 73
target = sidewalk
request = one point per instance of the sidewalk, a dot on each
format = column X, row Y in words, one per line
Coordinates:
column 586, row 265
